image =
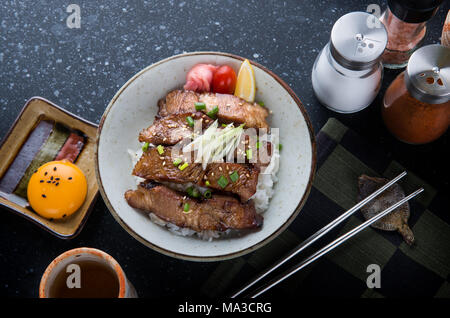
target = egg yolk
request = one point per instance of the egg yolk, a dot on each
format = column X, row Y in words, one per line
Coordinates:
column 57, row 189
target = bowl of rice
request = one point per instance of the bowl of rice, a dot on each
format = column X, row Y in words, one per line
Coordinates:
column 281, row 190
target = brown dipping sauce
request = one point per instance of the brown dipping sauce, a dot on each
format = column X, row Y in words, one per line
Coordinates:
column 97, row 281
column 411, row 120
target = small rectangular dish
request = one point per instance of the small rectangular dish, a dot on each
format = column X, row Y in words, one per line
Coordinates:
column 44, row 132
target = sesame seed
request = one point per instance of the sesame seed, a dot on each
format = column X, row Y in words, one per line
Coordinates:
column 44, row 196
column 56, row 183
column 51, row 178
column 41, row 181
column 45, row 173
column 164, row 163
column 220, row 168
column 54, row 168
column 70, row 178
column 248, row 176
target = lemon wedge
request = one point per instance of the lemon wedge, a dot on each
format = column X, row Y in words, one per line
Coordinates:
column 246, row 84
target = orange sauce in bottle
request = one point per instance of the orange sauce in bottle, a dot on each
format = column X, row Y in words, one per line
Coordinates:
column 411, row 120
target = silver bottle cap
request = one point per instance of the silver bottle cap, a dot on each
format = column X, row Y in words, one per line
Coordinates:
column 357, row 40
column 428, row 74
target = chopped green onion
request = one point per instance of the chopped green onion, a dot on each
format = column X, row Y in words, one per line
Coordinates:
column 234, row 176
column 183, row 166
column 207, row 194
column 207, row 183
column 177, row 161
column 213, row 112
column 280, row 146
column 186, row 207
column 223, row 182
column 193, row 192
column 261, row 103
column 249, row 154
column 145, row 146
column 224, row 125
column 258, row 144
column 200, row 106
column 160, row 149
column 190, row 121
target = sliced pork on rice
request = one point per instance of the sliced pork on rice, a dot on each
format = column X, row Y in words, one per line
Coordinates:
column 229, row 196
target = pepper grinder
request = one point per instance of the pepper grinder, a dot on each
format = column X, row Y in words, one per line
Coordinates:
column 405, row 22
column 347, row 73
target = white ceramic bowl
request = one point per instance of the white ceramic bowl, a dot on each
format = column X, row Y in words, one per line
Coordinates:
column 134, row 108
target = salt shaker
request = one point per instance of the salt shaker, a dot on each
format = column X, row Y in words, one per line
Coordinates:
column 416, row 106
column 405, row 22
column 347, row 73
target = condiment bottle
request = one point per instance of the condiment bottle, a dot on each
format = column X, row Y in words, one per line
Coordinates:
column 445, row 38
column 405, row 22
column 347, row 73
column 416, row 106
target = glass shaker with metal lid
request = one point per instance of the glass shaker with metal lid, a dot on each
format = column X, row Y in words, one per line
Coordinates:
column 347, row 73
column 416, row 106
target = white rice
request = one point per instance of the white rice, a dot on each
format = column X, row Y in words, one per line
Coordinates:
column 264, row 192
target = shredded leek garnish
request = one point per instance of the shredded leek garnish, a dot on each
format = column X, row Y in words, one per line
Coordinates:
column 215, row 143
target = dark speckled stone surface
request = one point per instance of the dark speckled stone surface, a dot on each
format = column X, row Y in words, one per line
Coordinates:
column 81, row 69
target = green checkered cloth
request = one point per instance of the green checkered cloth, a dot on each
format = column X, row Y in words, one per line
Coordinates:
column 418, row 271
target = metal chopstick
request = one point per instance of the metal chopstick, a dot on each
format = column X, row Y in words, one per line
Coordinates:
column 332, row 245
column 318, row 234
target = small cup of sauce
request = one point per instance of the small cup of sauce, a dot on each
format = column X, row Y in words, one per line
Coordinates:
column 416, row 106
column 85, row 273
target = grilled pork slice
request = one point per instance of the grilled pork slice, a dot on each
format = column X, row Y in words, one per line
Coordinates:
column 172, row 129
column 231, row 108
column 160, row 167
column 218, row 213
